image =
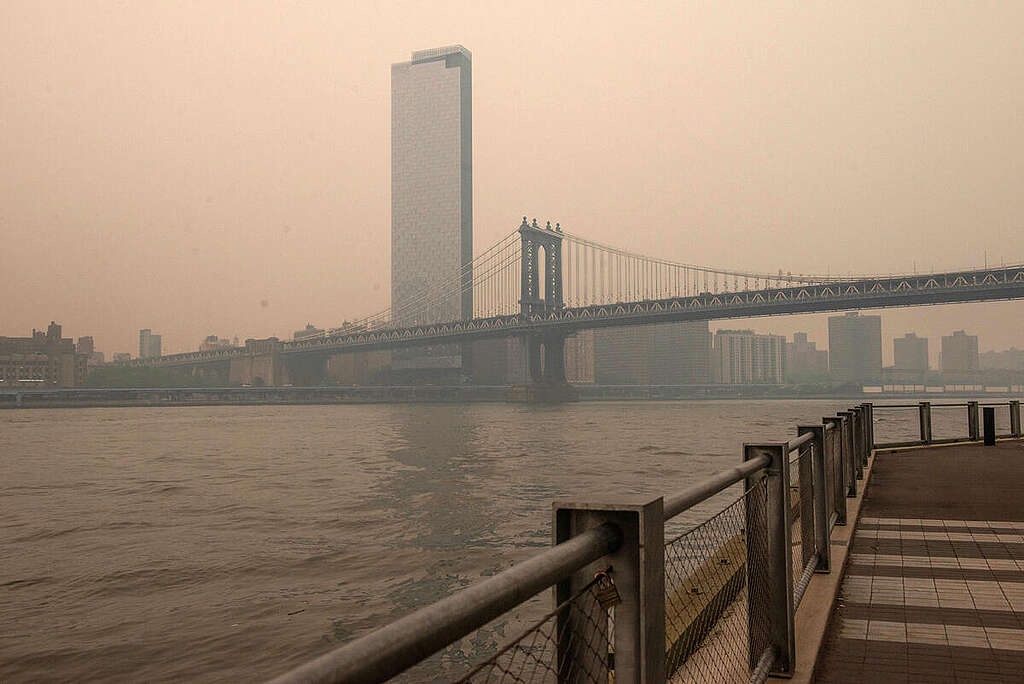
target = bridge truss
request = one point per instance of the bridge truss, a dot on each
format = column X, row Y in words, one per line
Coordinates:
column 545, row 281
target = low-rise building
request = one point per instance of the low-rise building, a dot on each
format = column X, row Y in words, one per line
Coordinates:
column 44, row 359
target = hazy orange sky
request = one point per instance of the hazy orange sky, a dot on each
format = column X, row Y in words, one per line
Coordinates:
column 171, row 165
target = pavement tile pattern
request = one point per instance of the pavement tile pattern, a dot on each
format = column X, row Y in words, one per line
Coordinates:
column 937, row 598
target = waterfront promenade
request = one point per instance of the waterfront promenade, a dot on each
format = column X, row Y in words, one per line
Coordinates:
column 934, row 585
column 844, row 558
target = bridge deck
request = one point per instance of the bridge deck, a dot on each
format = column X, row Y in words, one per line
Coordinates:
column 934, row 588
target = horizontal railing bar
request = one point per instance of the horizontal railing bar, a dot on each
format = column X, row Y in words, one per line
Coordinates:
column 805, row 579
column 394, row 648
column 674, row 505
column 830, row 426
column 764, row 666
column 896, row 406
column 797, row 442
column 893, row 445
column 914, row 406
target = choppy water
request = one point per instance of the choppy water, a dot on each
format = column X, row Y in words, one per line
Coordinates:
column 216, row 543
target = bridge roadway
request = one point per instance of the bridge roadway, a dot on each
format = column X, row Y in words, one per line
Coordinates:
column 934, row 585
column 864, row 293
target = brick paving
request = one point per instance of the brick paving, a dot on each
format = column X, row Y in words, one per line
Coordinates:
column 934, row 586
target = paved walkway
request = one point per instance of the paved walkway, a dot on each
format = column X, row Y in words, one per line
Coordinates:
column 934, row 588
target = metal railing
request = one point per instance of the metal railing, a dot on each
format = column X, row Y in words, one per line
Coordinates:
column 947, row 423
column 714, row 603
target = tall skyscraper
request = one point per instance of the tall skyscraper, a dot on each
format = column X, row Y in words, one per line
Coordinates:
column 431, row 197
column 855, row 348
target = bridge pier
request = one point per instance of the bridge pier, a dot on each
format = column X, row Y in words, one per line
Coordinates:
column 546, row 383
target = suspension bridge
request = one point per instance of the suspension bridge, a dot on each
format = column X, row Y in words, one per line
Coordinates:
column 542, row 284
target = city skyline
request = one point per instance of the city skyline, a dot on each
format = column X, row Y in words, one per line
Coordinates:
column 174, row 166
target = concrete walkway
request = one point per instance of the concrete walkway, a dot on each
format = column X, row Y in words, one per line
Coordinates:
column 934, row 587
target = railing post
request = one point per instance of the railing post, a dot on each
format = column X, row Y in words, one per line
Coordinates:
column 834, row 439
column 1015, row 418
column 870, row 408
column 865, row 447
column 770, row 613
column 972, row 421
column 849, row 462
column 821, row 479
column 856, row 440
column 924, row 412
column 638, row 570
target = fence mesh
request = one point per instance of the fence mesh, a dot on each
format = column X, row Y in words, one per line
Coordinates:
column 837, row 483
column 569, row 644
column 707, row 578
column 801, row 502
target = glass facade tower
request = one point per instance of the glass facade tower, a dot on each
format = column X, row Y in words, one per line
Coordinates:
column 431, row 198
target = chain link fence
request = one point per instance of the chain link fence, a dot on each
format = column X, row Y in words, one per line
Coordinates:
column 707, row 579
column 569, row 644
column 801, row 499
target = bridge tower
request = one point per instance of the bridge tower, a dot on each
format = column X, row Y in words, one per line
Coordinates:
column 541, row 294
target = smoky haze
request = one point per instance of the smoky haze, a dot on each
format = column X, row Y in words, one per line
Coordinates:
column 223, row 168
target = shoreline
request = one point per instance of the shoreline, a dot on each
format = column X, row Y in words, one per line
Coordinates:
column 422, row 394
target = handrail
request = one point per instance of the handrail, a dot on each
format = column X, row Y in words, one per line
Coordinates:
column 933, row 405
column 797, row 442
column 674, row 505
column 396, row 647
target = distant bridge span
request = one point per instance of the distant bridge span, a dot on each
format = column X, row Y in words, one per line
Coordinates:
column 543, row 285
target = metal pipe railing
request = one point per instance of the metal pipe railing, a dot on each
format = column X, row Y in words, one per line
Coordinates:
column 674, row 505
column 925, row 409
column 394, row 648
column 804, row 581
column 797, row 442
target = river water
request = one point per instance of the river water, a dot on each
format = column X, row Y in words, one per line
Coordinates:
column 216, row 543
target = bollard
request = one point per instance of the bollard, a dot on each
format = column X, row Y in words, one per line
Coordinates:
column 772, row 548
column 821, row 481
column 924, row 412
column 990, row 425
column 1015, row 418
column 834, row 440
column 638, row 569
column 972, row 421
